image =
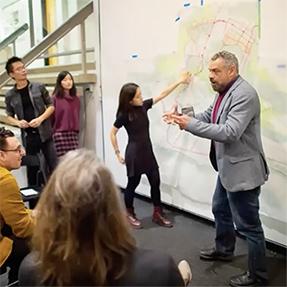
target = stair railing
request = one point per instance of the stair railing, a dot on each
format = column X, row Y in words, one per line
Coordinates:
column 11, row 39
column 52, row 38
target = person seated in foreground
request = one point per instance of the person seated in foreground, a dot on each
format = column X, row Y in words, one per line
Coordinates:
column 82, row 236
column 16, row 221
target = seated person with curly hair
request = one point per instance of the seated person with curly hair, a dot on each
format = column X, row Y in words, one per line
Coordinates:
column 82, row 237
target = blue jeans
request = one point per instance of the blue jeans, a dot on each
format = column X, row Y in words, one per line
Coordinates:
column 242, row 209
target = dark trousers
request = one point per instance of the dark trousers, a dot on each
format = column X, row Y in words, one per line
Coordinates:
column 19, row 250
column 241, row 208
column 33, row 146
column 133, row 182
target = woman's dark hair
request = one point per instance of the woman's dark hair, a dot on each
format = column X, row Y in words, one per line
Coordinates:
column 127, row 93
column 59, row 90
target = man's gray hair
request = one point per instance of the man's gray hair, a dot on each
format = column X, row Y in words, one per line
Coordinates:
column 229, row 58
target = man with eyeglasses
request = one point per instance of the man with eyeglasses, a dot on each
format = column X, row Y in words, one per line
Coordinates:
column 32, row 105
column 16, row 221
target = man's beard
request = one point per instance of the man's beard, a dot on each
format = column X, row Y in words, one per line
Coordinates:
column 217, row 88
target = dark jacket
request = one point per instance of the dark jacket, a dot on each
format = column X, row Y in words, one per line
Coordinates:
column 147, row 268
column 40, row 99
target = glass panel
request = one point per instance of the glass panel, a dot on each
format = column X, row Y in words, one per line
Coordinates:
column 13, row 14
column 47, row 15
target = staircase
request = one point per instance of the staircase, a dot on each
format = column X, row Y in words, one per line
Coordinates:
column 48, row 75
column 84, row 73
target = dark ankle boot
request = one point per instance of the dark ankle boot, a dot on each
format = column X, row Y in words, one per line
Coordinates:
column 132, row 219
column 159, row 218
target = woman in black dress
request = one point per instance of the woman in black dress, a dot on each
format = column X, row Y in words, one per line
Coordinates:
column 139, row 156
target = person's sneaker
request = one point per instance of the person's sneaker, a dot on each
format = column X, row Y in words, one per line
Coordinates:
column 185, row 271
column 212, row 254
column 132, row 219
column 160, row 219
column 246, row 279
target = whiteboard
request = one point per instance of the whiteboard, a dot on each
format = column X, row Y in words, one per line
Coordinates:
column 150, row 41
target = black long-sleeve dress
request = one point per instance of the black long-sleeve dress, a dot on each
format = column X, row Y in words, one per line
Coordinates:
column 139, row 156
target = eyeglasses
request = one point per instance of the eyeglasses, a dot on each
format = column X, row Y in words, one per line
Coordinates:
column 19, row 69
column 17, row 149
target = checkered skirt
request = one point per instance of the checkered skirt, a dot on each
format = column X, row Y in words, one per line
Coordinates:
column 65, row 141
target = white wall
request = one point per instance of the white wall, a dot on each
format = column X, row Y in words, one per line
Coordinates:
column 166, row 37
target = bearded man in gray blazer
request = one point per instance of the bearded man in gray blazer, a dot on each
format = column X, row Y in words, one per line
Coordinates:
column 232, row 123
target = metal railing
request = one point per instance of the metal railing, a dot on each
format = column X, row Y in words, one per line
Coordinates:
column 38, row 50
column 11, row 39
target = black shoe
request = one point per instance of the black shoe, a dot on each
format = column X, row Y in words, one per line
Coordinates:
column 212, row 254
column 245, row 279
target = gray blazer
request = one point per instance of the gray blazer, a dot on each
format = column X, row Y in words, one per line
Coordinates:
column 40, row 99
column 236, row 134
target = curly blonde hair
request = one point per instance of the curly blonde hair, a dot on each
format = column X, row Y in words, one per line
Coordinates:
column 81, row 235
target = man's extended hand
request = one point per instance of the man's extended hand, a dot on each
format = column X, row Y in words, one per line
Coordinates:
column 167, row 116
column 181, row 120
column 173, row 117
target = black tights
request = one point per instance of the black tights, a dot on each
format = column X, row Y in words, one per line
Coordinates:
column 133, row 182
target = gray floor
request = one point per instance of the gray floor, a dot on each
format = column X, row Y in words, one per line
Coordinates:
column 184, row 241
column 188, row 236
